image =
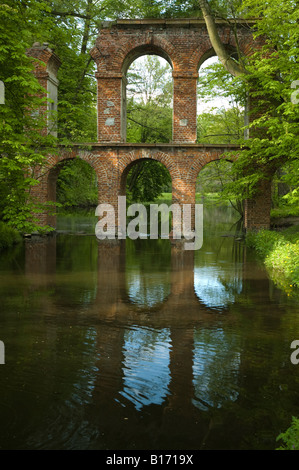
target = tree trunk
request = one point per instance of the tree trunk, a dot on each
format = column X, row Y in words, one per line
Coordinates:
column 231, row 66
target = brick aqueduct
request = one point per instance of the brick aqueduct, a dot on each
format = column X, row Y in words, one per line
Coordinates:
column 185, row 45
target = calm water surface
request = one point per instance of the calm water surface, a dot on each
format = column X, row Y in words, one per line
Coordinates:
column 143, row 346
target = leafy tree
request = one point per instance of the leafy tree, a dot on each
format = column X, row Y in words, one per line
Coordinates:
column 23, row 145
column 221, row 120
column 77, row 184
column 221, row 126
column 268, row 75
column 149, row 106
column 146, row 181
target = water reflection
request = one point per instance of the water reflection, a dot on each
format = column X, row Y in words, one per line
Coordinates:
column 214, row 384
column 141, row 345
column 146, row 366
column 148, row 277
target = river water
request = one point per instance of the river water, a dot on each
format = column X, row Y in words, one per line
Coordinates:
column 142, row 345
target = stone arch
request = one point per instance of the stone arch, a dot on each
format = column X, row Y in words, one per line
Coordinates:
column 234, row 52
column 200, row 162
column 46, row 190
column 199, row 56
column 130, row 159
column 129, row 56
column 184, row 42
column 144, row 49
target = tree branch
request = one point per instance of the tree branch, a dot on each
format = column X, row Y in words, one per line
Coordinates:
column 70, row 13
column 231, row 66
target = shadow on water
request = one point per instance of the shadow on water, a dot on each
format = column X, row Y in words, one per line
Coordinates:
column 142, row 345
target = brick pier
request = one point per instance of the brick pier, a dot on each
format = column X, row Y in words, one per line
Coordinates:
column 185, row 44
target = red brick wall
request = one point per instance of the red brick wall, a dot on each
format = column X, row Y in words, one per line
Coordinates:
column 257, row 210
column 112, row 163
column 185, row 44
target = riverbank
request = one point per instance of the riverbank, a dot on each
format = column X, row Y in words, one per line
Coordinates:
column 8, row 236
column 279, row 251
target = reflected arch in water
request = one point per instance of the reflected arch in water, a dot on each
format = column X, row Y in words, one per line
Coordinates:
column 216, row 367
column 146, row 366
column 148, row 287
column 213, row 289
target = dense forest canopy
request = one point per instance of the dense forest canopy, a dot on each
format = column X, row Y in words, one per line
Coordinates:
column 270, row 75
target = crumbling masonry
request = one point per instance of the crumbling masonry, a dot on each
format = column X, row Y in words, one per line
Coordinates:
column 185, row 45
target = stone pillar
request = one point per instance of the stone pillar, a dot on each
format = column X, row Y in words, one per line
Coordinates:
column 183, row 192
column 257, row 210
column 46, row 69
column 110, row 115
column 184, row 107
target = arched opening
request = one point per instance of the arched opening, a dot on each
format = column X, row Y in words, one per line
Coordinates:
column 221, row 103
column 148, row 97
column 221, row 119
column 146, row 181
column 73, row 185
column 212, row 185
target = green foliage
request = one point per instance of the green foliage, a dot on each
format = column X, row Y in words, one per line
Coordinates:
column 148, row 123
column 290, row 438
column 224, row 126
column 214, row 179
column 220, row 124
column 147, row 181
column 149, row 101
column 272, row 71
column 280, row 253
column 22, row 143
column 71, row 29
column 77, row 184
column 8, row 236
column 215, row 82
column 271, row 74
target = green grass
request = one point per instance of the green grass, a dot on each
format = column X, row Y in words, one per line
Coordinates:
column 280, row 253
column 285, row 211
column 8, row 236
column 213, row 198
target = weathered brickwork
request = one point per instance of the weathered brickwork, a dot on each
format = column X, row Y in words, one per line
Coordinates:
column 113, row 163
column 185, row 45
column 46, row 66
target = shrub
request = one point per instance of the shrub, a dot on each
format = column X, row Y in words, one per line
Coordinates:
column 290, row 437
column 8, row 236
